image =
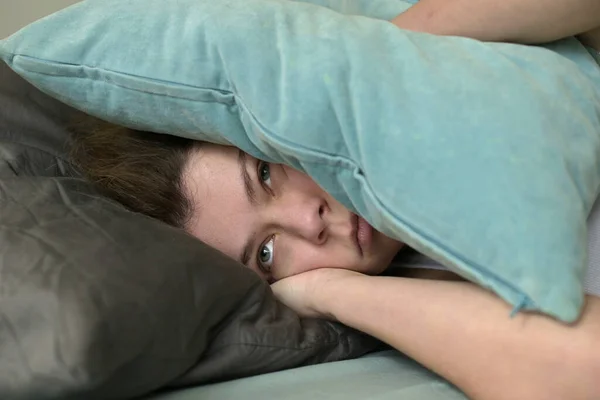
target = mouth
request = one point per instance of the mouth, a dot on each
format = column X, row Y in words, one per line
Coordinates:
column 362, row 233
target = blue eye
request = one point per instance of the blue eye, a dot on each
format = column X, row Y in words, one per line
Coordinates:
column 265, row 256
column 264, row 173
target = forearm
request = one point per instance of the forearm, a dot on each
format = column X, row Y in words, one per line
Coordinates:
column 465, row 334
column 520, row 21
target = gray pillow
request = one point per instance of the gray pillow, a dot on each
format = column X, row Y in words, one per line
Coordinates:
column 101, row 303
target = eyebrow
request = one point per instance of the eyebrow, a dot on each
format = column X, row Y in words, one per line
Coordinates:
column 251, row 196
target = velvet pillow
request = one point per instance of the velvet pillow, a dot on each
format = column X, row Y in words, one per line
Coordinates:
column 388, row 121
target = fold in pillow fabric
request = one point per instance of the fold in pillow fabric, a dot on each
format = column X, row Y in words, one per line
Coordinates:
column 388, row 121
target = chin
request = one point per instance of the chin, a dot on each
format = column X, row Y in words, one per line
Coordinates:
column 377, row 267
column 384, row 254
column 379, row 270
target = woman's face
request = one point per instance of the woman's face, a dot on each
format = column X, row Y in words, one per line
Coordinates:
column 276, row 220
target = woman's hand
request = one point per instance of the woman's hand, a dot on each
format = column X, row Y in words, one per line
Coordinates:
column 307, row 293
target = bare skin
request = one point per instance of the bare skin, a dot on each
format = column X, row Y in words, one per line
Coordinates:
column 460, row 331
column 518, row 21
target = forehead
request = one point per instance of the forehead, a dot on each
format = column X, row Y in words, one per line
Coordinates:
column 222, row 215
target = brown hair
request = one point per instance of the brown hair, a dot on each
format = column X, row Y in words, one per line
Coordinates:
column 143, row 171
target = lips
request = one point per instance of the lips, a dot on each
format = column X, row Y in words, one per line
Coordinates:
column 362, row 233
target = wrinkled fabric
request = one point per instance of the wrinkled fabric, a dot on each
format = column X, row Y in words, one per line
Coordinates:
column 97, row 302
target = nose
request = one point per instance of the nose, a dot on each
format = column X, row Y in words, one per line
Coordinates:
column 303, row 217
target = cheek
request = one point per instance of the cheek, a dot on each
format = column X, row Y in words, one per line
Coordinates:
column 298, row 256
column 293, row 257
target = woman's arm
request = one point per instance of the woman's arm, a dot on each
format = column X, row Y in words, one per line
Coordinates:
column 519, row 21
column 462, row 332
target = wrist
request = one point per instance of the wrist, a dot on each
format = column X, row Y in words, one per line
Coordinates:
column 335, row 294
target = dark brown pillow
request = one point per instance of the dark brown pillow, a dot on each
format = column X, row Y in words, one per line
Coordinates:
column 101, row 303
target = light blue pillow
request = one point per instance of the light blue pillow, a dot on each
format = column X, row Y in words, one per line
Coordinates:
column 485, row 157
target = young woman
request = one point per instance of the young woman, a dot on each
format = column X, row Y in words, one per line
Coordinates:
column 325, row 261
